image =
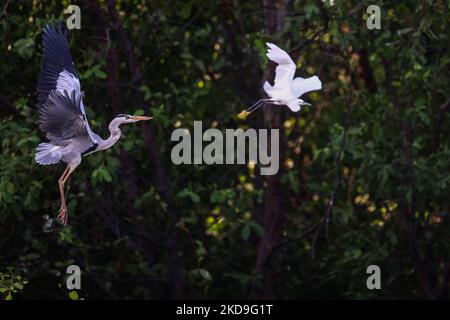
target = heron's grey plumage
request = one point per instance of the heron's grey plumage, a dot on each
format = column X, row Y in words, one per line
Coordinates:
column 48, row 153
column 65, row 126
column 56, row 59
column 62, row 116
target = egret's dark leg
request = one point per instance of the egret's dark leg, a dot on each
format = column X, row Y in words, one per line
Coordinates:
column 254, row 106
column 258, row 104
column 63, row 210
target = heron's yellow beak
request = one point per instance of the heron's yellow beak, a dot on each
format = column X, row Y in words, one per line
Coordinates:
column 141, row 118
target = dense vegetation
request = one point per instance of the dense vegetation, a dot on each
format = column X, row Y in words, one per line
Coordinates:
column 364, row 175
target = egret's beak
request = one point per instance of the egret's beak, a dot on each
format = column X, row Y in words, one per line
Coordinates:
column 305, row 104
column 141, row 118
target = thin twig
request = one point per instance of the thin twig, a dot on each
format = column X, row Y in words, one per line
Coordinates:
column 337, row 164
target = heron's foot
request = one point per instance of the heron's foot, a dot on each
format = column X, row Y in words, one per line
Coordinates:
column 62, row 217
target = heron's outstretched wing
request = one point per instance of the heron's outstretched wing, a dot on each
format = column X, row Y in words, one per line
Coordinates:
column 285, row 71
column 61, row 119
column 58, row 70
column 56, row 59
column 301, row 86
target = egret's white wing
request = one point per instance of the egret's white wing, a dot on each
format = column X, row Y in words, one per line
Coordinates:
column 285, row 71
column 301, row 86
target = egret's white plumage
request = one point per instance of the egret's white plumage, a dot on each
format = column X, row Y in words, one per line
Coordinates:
column 285, row 90
column 300, row 86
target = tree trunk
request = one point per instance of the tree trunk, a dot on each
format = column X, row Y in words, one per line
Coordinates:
column 272, row 216
column 161, row 179
column 136, row 232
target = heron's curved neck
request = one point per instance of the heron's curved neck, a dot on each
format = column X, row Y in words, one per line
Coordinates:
column 115, row 134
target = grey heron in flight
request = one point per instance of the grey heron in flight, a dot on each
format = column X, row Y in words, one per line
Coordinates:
column 286, row 89
column 61, row 112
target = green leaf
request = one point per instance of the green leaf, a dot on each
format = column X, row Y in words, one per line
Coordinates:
column 18, row 285
column 10, row 187
column 221, row 196
column 24, row 47
column 73, row 295
column 101, row 175
column 87, row 74
column 245, row 233
column 186, row 193
column 205, row 274
column 185, row 10
column 256, row 228
column 200, row 65
column 100, row 74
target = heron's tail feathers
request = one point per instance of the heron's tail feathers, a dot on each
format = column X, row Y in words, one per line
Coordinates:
column 48, row 153
column 267, row 87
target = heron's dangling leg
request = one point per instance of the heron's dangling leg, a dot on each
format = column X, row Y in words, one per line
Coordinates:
column 62, row 180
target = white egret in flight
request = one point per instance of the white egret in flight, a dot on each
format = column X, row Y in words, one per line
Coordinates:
column 286, row 89
column 61, row 112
